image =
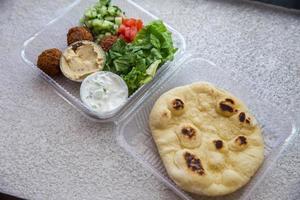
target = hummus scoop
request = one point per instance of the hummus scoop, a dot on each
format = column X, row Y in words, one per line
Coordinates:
column 81, row 59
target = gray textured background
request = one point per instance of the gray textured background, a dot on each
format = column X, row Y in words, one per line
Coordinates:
column 49, row 151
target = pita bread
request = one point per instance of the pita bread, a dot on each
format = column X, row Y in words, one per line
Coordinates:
column 209, row 142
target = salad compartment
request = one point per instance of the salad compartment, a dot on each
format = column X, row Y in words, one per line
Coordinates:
column 54, row 35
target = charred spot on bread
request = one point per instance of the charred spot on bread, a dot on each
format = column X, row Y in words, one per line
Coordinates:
column 188, row 131
column 242, row 117
column 194, row 163
column 241, row 140
column 226, row 107
column 177, row 104
column 218, row 144
column 229, row 100
column 166, row 114
column 248, row 120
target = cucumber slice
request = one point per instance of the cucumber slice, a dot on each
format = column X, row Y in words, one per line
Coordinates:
column 107, row 24
column 88, row 14
column 118, row 20
column 97, row 23
column 116, row 27
column 111, row 10
column 103, row 10
column 109, row 18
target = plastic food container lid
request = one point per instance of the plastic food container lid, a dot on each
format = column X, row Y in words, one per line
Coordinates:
column 134, row 135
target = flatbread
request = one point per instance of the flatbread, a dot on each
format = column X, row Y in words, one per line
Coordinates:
column 209, row 142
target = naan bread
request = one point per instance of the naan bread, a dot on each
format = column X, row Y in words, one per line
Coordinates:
column 209, row 142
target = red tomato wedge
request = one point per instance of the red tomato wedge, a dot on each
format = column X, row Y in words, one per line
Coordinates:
column 122, row 29
column 139, row 24
column 129, row 22
column 129, row 28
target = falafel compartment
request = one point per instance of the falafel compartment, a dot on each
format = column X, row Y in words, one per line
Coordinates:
column 69, row 29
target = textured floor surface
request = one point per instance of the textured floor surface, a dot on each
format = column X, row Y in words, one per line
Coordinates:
column 49, row 151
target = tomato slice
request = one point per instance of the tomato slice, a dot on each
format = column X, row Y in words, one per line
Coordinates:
column 132, row 34
column 129, row 28
column 139, row 24
column 127, row 32
column 130, row 22
column 122, row 29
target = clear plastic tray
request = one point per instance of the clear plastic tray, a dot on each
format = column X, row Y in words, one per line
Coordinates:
column 134, row 135
column 54, row 35
column 131, row 122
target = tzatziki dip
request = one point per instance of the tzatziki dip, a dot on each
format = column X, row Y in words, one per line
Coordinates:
column 104, row 93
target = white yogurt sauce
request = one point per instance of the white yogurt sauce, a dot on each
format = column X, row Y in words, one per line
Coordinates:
column 103, row 92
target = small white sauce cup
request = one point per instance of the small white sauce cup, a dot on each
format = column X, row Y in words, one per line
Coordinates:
column 120, row 81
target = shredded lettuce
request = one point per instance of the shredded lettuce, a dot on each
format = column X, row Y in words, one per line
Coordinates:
column 138, row 62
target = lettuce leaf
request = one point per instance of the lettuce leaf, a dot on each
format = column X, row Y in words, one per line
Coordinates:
column 138, row 77
column 137, row 62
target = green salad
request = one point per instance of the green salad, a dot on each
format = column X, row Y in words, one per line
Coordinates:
column 107, row 50
column 137, row 62
column 134, row 51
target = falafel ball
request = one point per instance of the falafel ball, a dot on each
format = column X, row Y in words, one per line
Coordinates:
column 48, row 61
column 107, row 42
column 77, row 34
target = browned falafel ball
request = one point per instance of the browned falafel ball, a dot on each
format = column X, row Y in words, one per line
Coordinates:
column 77, row 34
column 107, row 42
column 48, row 61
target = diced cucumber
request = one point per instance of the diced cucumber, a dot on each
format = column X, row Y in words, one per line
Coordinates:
column 112, row 10
column 94, row 13
column 98, row 7
column 118, row 20
column 102, row 19
column 107, row 24
column 103, row 10
column 109, row 18
column 97, row 23
column 116, row 27
column 119, row 13
column 88, row 14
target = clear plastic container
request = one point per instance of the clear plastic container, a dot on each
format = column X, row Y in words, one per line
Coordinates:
column 54, row 35
column 131, row 122
column 134, row 135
